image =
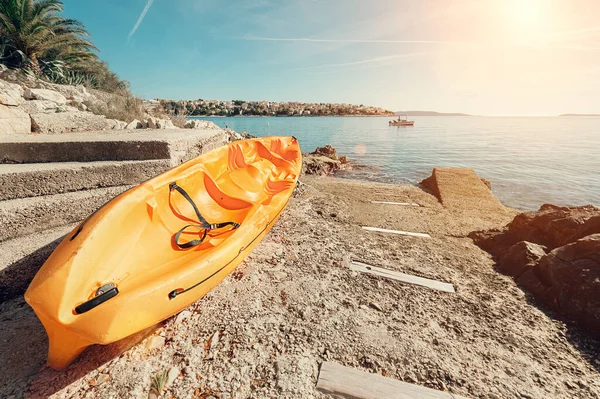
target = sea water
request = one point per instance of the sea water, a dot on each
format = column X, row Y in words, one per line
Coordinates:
column 529, row 160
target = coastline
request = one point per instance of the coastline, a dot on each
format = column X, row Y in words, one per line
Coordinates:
column 289, row 116
column 293, row 304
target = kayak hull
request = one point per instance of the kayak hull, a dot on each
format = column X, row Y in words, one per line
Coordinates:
column 129, row 244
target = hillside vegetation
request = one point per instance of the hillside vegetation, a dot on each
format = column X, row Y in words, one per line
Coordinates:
column 37, row 39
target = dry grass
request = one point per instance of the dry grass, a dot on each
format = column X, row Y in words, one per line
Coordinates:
column 179, row 119
column 121, row 107
column 159, row 381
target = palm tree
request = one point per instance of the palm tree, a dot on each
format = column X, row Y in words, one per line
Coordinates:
column 35, row 30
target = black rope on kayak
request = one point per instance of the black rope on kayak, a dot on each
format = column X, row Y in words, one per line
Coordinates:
column 204, row 225
column 173, row 294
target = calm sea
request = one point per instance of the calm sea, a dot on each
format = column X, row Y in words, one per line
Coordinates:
column 529, row 160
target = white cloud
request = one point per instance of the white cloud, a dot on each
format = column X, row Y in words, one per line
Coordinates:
column 369, row 61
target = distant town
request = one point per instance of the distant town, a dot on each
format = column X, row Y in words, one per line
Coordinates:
column 263, row 108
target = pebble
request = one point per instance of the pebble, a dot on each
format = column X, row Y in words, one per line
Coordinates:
column 172, row 376
column 280, row 275
column 186, row 314
column 155, row 342
column 102, row 378
column 212, row 345
column 376, row 306
column 570, row 385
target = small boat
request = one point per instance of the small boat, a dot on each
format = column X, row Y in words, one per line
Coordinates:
column 402, row 121
column 156, row 249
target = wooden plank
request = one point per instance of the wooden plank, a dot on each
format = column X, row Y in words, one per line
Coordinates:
column 403, row 233
column 395, row 203
column 403, row 277
column 346, row 382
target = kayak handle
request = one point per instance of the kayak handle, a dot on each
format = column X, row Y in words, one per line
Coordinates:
column 97, row 300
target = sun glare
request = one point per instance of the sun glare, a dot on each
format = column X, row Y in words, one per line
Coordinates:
column 528, row 12
column 526, row 19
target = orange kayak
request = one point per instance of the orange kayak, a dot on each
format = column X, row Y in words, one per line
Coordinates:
column 157, row 248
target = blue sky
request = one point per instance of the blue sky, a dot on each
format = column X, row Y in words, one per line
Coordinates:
column 493, row 57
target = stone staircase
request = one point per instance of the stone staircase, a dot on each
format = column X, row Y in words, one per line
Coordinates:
column 49, row 183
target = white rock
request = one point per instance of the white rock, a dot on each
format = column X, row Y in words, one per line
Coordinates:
column 100, row 379
column 165, row 124
column 196, row 124
column 14, row 120
column 155, row 342
column 67, row 122
column 10, row 93
column 186, row 314
column 119, row 125
column 78, row 93
column 134, row 124
column 114, row 124
column 172, row 376
column 214, row 341
column 44, row 94
column 36, row 106
column 151, row 122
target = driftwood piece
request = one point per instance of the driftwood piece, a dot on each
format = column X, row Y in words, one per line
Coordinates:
column 403, row 277
column 345, row 382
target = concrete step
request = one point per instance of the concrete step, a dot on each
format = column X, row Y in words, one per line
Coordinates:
column 23, row 216
column 22, row 257
column 36, row 179
column 176, row 145
column 461, row 189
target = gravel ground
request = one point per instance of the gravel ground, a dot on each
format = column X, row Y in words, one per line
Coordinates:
column 294, row 303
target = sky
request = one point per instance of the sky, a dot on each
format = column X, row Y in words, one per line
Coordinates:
column 484, row 57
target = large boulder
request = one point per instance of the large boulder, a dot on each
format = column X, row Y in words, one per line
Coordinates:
column 319, row 165
column 199, row 124
column 13, row 120
column 77, row 93
column 571, row 275
column 134, row 124
column 119, row 125
column 47, row 95
column 10, row 94
column 37, row 106
column 232, row 135
column 567, row 279
column 520, row 257
column 327, row 151
column 552, row 226
column 68, row 122
column 165, row 124
column 151, row 122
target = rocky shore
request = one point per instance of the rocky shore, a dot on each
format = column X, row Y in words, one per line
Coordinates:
column 30, row 105
column 554, row 254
